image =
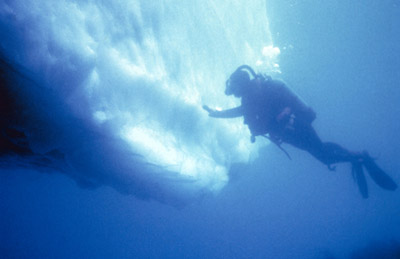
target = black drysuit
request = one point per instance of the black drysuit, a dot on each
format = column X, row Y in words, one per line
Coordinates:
column 270, row 108
column 262, row 106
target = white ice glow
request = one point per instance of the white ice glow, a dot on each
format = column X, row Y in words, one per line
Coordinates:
column 140, row 71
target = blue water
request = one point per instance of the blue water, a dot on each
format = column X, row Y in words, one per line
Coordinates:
column 117, row 88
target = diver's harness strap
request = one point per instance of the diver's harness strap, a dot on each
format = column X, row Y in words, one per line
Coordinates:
column 276, row 141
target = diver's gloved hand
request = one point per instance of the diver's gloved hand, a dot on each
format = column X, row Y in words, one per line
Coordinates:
column 211, row 112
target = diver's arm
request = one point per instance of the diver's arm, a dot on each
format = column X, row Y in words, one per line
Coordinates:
column 230, row 113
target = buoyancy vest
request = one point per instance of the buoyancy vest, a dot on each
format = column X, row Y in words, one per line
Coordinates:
column 266, row 99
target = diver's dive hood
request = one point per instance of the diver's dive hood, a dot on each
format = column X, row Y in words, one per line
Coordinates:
column 239, row 79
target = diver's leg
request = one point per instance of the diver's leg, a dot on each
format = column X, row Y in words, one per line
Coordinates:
column 305, row 137
column 330, row 153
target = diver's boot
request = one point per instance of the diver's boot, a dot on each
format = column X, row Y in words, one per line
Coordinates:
column 377, row 174
column 359, row 178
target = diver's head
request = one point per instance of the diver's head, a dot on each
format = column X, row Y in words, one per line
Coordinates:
column 237, row 83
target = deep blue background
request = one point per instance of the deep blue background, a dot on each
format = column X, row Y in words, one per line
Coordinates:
column 343, row 59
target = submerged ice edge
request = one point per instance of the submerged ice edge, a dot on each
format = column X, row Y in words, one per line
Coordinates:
column 122, row 79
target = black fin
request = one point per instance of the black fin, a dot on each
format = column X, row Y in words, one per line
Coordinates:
column 359, row 177
column 378, row 175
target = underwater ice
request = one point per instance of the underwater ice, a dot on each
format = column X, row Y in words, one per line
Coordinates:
column 117, row 87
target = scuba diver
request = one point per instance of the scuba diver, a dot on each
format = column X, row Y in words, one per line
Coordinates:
column 270, row 109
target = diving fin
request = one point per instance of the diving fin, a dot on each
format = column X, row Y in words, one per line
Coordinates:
column 359, row 178
column 377, row 174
